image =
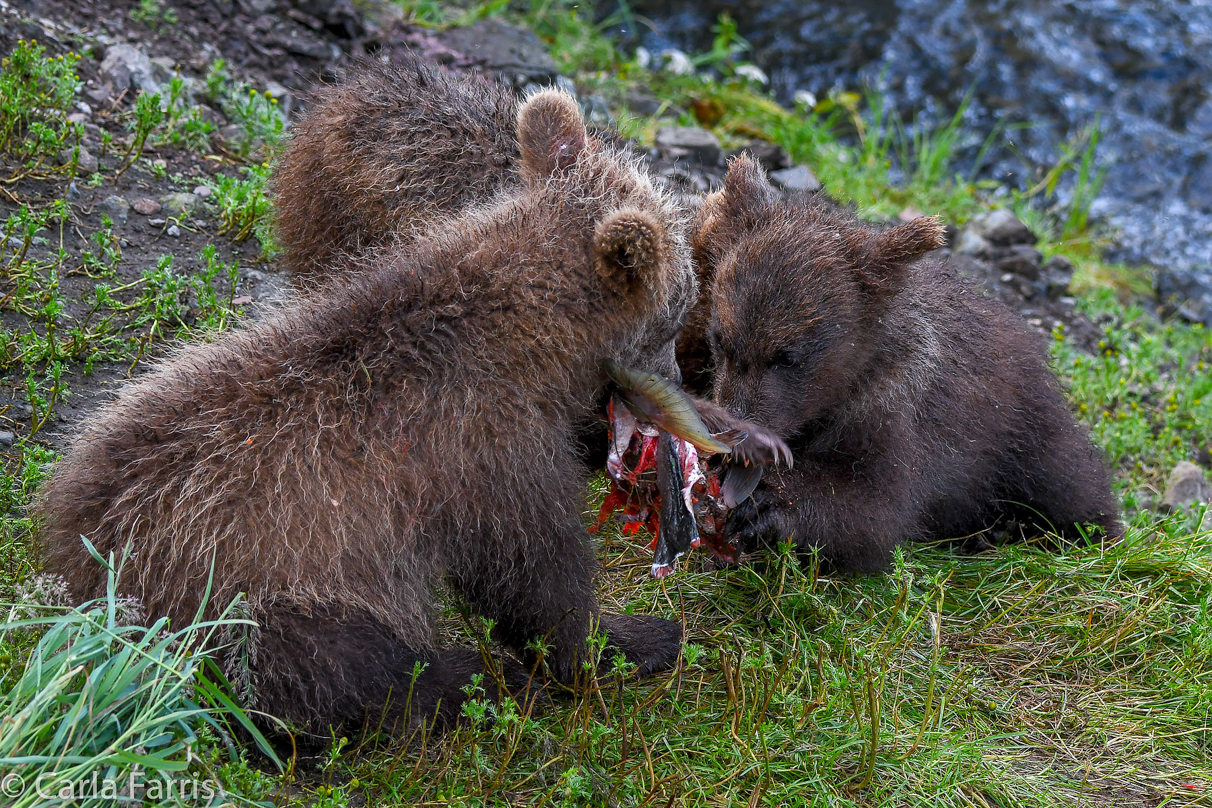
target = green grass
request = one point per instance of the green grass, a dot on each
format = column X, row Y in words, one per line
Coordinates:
column 102, row 695
column 1019, row 677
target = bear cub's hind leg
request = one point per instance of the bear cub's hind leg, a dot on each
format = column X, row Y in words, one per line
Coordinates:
column 331, row 668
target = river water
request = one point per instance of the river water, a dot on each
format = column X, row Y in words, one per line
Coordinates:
column 1144, row 69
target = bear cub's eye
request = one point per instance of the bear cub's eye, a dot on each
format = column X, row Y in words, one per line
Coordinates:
column 785, row 359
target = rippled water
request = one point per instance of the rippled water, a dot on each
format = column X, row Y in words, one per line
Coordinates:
column 1144, row 67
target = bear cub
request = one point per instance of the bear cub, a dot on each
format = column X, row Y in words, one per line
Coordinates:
column 915, row 407
column 412, row 428
column 382, row 154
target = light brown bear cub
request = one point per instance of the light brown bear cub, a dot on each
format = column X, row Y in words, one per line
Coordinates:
column 416, row 425
column 381, row 154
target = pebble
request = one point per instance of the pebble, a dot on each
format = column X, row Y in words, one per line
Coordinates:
column 86, row 163
column 98, row 95
column 156, row 222
column 125, row 67
column 1001, row 227
column 971, row 243
column 202, row 192
column 1187, row 292
column 796, row 178
column 174, row 231
column 116, row 207
column 689, row 141
column 1022, row 260
column 1187, row 485
column 180, row 202
column 146, row 206
column 7, row 438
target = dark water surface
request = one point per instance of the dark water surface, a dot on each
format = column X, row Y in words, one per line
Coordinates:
column 1144, row 67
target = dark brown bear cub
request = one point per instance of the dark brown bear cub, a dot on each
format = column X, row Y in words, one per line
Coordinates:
column 914, row 406
column 410, row 428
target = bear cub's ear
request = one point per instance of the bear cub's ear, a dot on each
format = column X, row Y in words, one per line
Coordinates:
column 907, row 242
column 551, row 134
column 728, row 213
column 883, row 258
column 632, row 248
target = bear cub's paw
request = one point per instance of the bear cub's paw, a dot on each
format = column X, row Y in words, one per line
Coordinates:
column 652, row 644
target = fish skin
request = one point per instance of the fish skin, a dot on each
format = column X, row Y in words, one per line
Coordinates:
column 678, row 527
column 662, row 402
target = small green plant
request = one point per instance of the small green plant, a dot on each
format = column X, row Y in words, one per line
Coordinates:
column 213, row 309
column 36, row 92
column 726, row 46
column 184, row 126
column 424, row 12
column 148, row 115
column 262, row 123
column 154, row 14
column 244, row 205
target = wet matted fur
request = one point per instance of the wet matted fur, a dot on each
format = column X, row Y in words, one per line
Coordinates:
column 412, row 426
column 915, row 406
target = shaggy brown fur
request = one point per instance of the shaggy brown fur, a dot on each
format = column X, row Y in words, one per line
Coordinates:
column 339, row 460
column 914, row 406
column 380, row 155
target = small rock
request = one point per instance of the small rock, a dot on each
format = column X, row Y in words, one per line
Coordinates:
column 180, row 203
column 98, row 95
column 771, row 155
column 85, row 163
column 643, row 57
column 1187, row 292
column 202, row 191
column 971, row 243
column 7, row 438
column 642, row 103
column 262, row 6
column 514, row 53
column 77, row 117
column 689, row 141
column 125, row 67
column 156, row 222
column 73, row 192
column 567, row 85
column 116, row 207
column 174, row 231
column 597, row 112
column 796, row 178
column 146, row 206
column 1057, row 275
column 1001, row 228
column 1022, row 260
column 1186, row 486
column 232, row 133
